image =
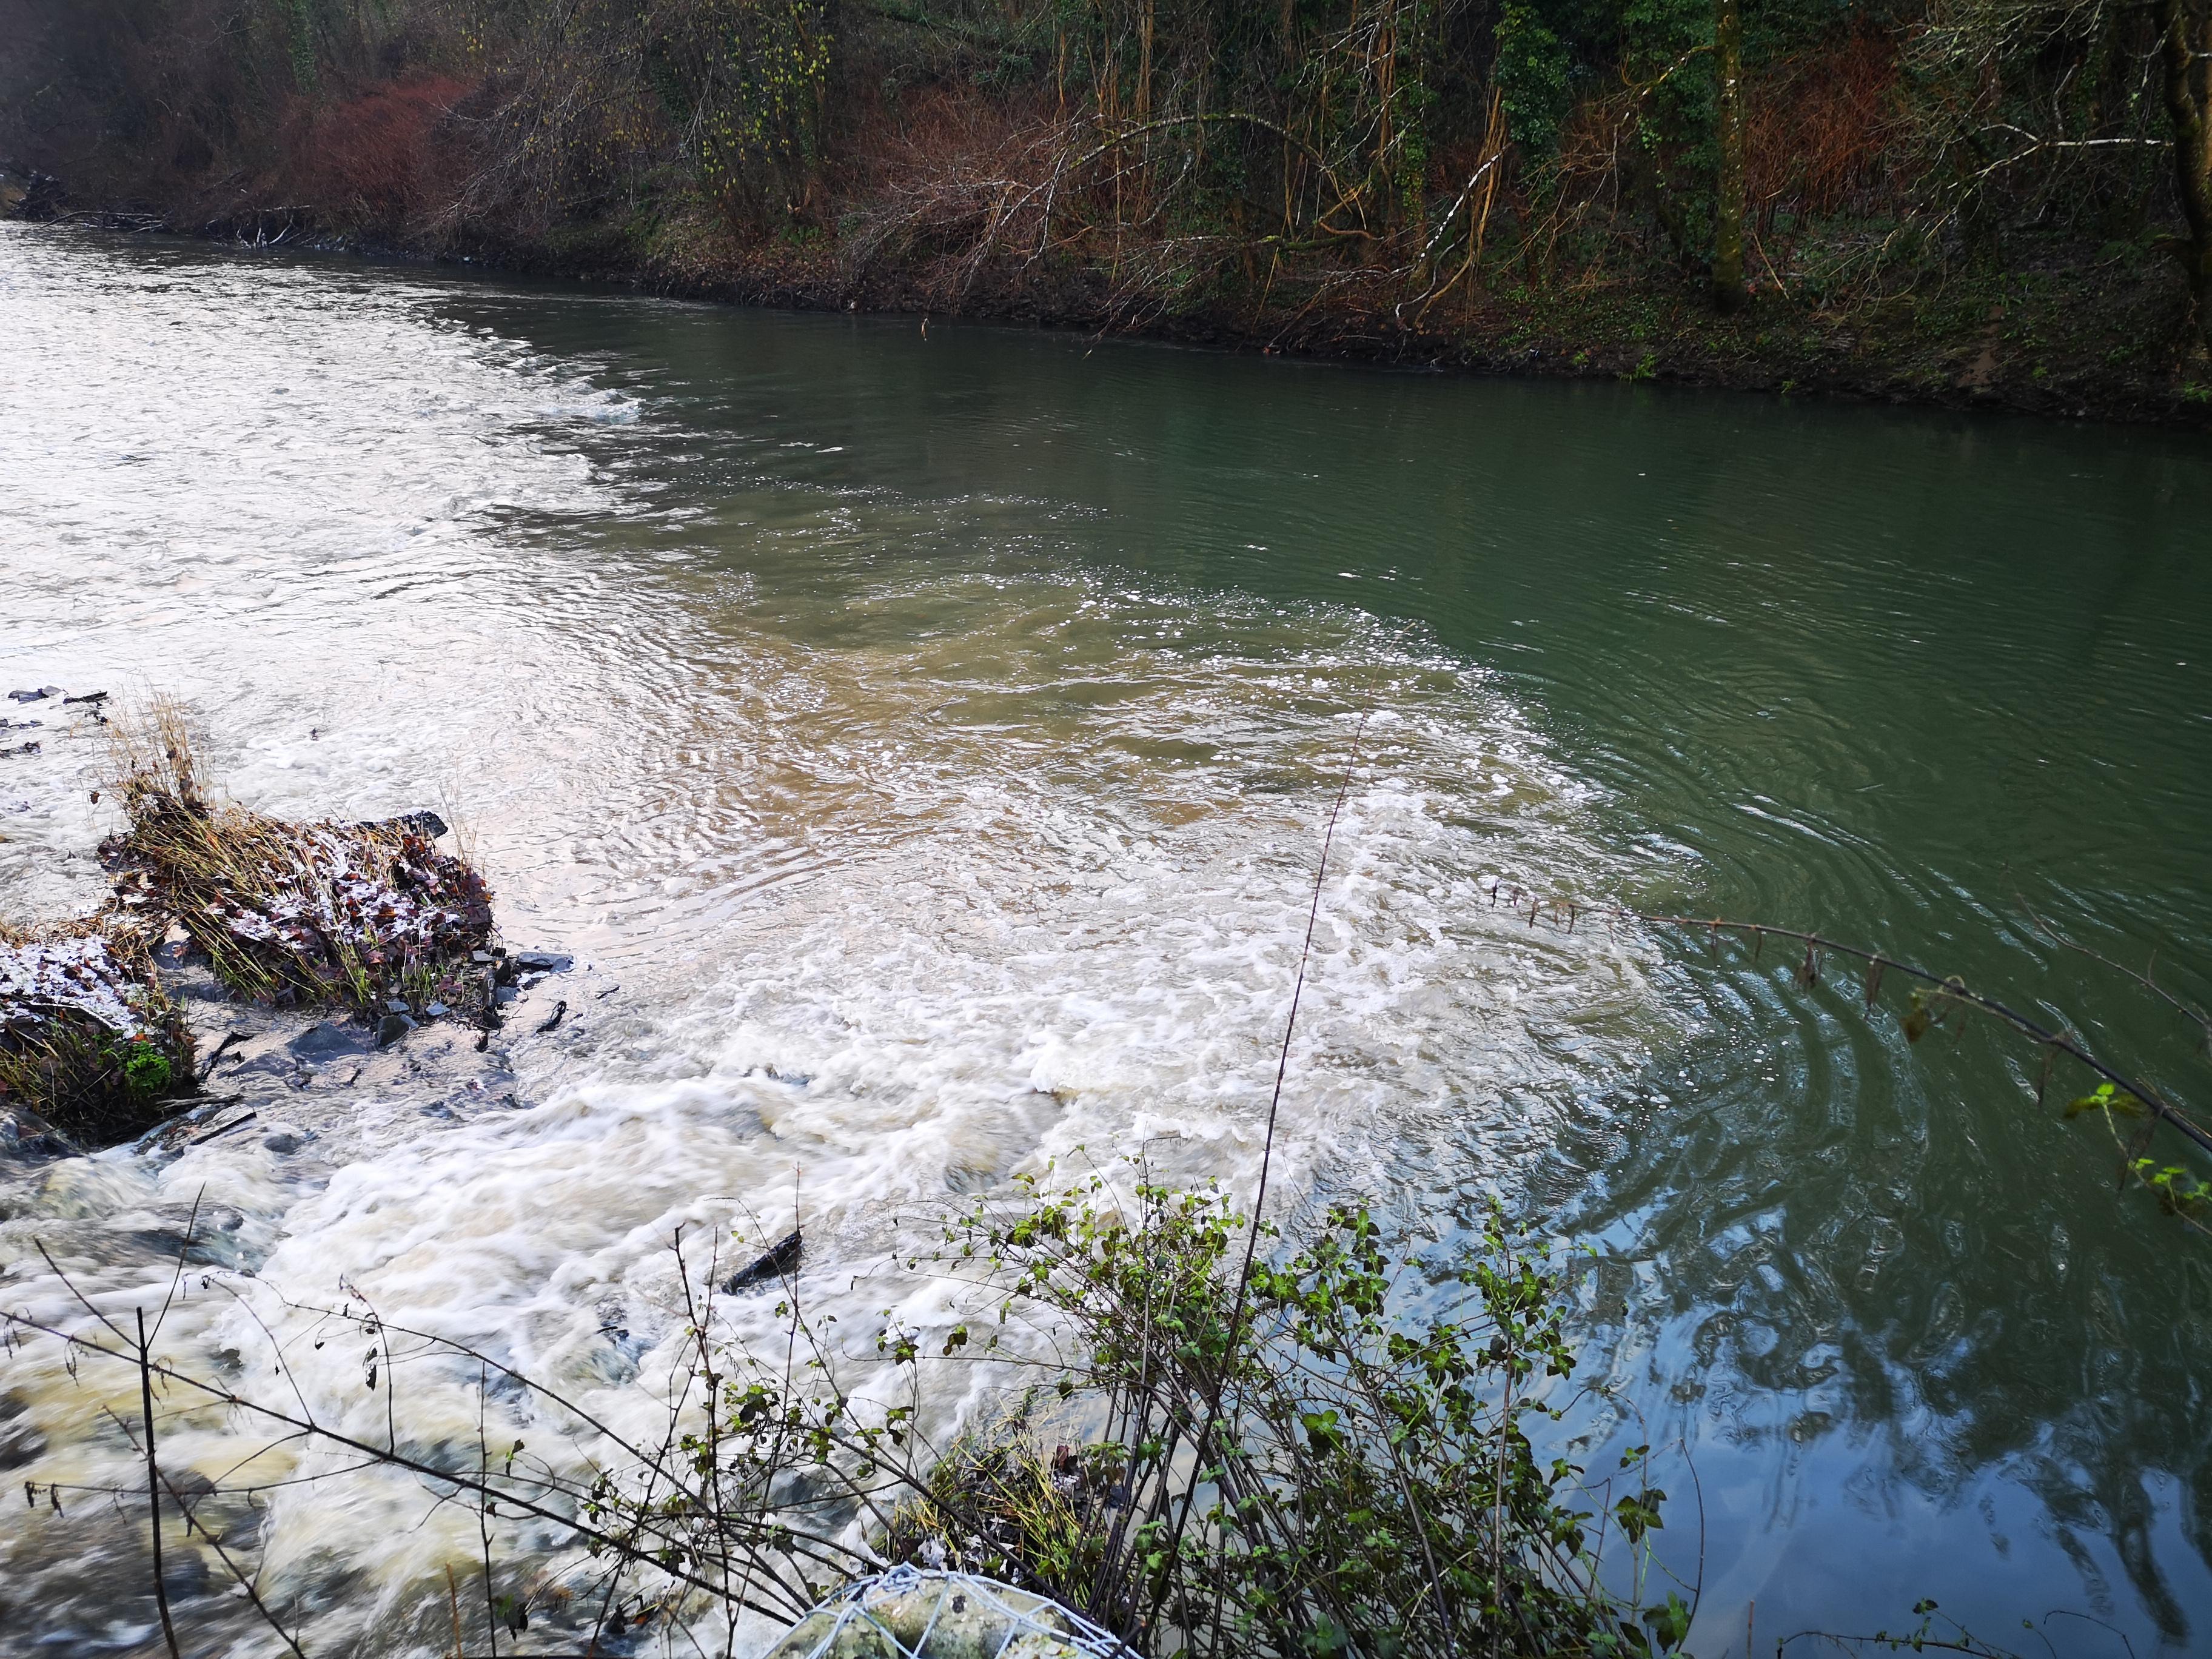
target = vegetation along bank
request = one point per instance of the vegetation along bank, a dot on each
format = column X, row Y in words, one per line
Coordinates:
column 1996, row 203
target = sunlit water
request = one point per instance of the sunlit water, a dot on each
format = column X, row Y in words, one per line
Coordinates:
column 932, row 736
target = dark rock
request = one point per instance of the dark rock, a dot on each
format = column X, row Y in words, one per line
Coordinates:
column 428, row 825
column 282, row 1142
column 275, row 1063
column 328, row 1039
column 776, row 1263
column 541, row 962
column 39, row 196
column 24, row 1133
column 505, row 994
column 391, row 1028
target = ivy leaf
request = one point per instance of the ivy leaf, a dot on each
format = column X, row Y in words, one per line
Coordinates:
column 2105, row 1098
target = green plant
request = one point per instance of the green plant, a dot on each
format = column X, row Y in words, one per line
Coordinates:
column 1325, row 1452
column 146, row 1072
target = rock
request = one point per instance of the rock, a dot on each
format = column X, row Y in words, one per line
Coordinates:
column 35, row 196
column 391, row 1028
column 505, row 994
column 282, row 1140
column 274, row 1063
column 541, row 962
column 330, row 1039
column 774, row 1265
column 437, row 1010
column 428, row 825
column 396, row 1005
column 24, row 1133
column 26, row 696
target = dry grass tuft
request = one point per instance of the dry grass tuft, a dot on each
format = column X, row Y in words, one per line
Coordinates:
column 291, row 914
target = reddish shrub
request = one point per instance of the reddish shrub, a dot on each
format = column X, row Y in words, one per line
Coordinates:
column 371, row 161
column 1819, row 130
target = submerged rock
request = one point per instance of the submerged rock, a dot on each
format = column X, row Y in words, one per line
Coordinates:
column 773, row 1264
column 328, row 1041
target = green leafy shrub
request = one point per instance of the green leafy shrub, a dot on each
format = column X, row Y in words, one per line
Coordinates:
column 1325, row 1450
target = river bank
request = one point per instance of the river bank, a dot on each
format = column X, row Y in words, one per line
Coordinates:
column 2061, row 340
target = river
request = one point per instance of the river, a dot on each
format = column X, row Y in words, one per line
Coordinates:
column 929, row 731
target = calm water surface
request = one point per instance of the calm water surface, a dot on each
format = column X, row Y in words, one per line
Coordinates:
column 932, row 736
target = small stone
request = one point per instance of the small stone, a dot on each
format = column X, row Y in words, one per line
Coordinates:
column 397, row 1005
column 394, row 1027
column 437, row 1011
column 541, row 962
column 480, row 956
column 328, row 1039
column 505, row 994
column 282, row 1140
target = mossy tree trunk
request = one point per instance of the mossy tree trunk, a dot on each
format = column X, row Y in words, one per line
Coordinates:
column 2185, row 26
column 1729, row 184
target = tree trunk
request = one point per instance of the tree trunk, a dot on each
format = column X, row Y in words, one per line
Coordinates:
column 1144, row 64
column 2186, row 28
column 1728, row 185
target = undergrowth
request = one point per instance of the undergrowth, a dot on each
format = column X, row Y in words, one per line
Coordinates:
column 89, row 1040
column 1330, row 1456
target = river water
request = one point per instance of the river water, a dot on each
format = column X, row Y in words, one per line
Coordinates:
column 929, row 732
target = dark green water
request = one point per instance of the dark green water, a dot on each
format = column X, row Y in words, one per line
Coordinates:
column 1892, row 675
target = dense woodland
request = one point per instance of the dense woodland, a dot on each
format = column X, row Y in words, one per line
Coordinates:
column 1936, row 198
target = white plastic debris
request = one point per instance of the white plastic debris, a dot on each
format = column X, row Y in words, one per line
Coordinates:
column 910, row 1614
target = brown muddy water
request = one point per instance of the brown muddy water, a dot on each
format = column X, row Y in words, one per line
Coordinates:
column 922, row 744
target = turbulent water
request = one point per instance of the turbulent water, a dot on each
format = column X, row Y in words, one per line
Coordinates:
column 924, row 742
